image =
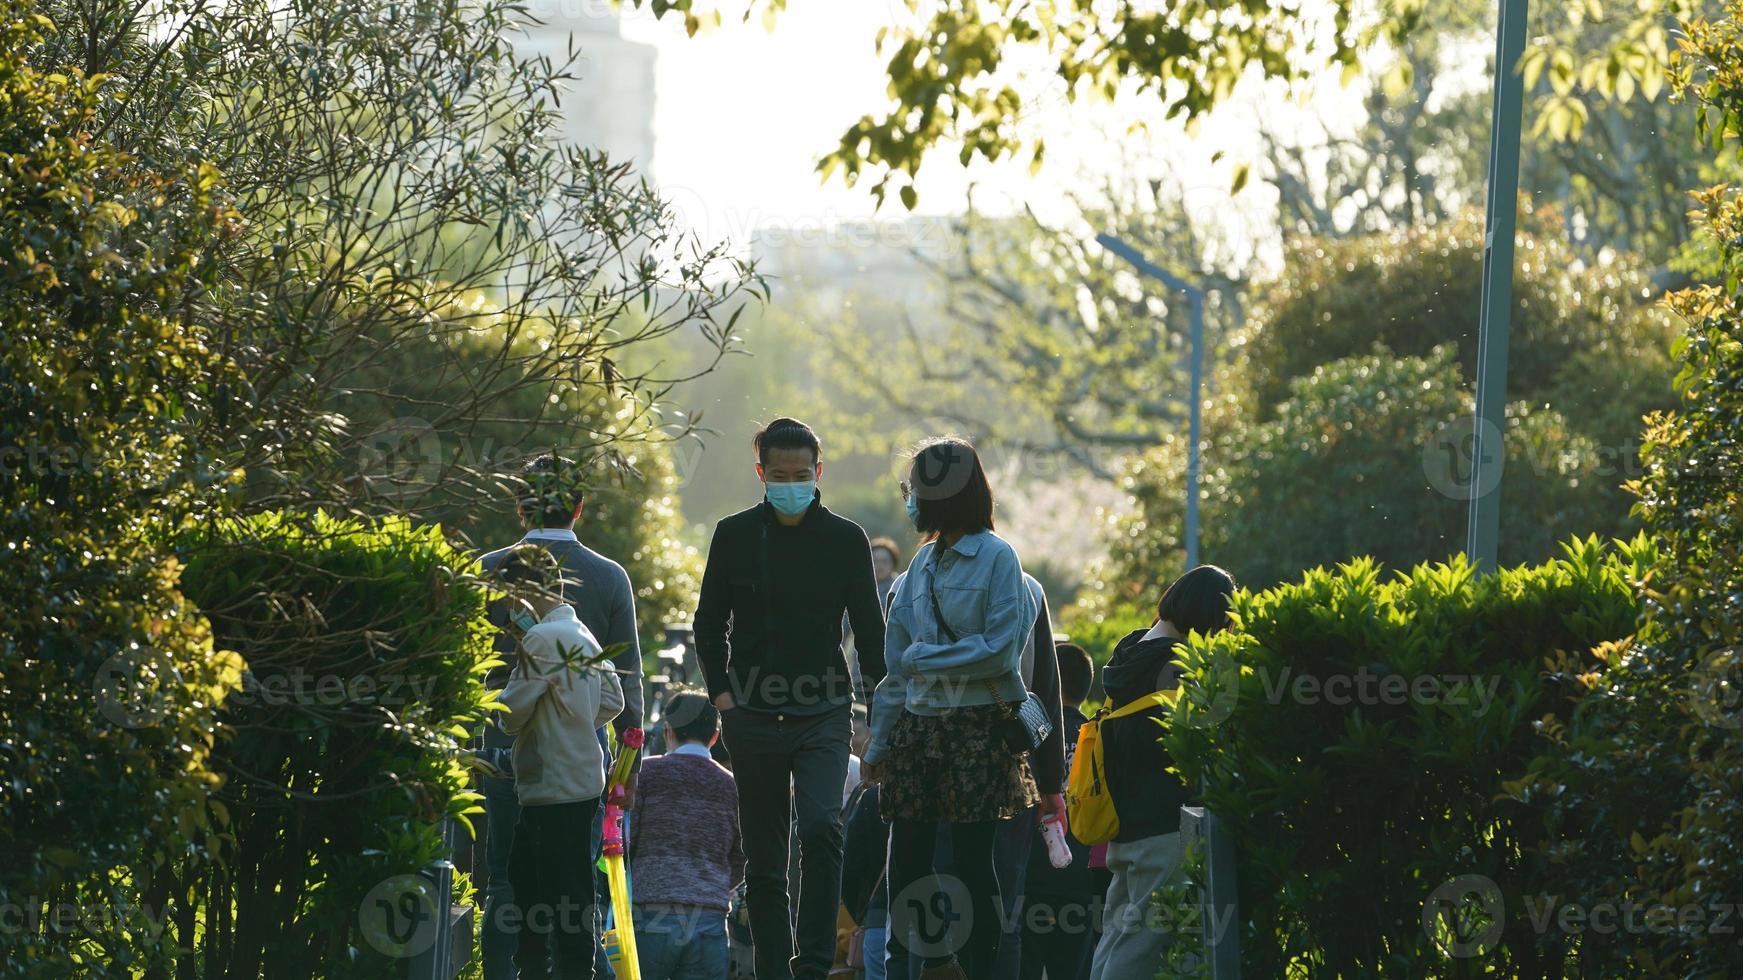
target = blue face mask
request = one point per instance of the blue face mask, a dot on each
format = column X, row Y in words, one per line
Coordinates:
column 523, row 619
column 913, row 504
column 791, row 499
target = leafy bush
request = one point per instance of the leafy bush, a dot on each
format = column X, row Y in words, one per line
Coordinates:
column 1355, row 733
column 406, row 189
column 1354, row 463
column 366, row 645
column 108, row 681
column 1378, row 335
column 1641, row 777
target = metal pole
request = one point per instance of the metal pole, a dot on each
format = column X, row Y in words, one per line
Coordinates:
column 1488, row 449
column 1195, row 296
column 1193, row 444
column 1220, row 907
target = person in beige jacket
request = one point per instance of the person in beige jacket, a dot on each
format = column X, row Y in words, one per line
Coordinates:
column 561, row 692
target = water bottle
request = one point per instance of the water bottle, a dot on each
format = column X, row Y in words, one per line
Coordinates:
column 1058, row 852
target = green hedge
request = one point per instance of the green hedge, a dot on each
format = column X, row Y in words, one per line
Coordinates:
column 1360, row 752
column 366, row 645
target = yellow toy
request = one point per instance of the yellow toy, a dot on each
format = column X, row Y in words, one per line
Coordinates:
column 619, row 940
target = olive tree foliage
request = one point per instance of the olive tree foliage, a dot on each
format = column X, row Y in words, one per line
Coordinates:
column 418, row 247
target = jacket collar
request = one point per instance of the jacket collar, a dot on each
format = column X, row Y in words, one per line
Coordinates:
column 969, row 544
column 537, row 534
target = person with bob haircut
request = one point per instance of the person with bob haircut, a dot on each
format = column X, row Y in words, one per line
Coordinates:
column 1146, row 853
column 960, row 618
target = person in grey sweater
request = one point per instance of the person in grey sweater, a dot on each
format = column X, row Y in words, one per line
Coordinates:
column 685, row 852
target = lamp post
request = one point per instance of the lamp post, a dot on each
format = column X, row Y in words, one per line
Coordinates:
column 1195, row 296
column 1488, row 450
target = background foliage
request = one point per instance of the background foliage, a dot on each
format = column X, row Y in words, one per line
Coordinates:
column 1338, row 430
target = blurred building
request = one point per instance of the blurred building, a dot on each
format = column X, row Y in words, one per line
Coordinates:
column 609, row 104
column 832, row 263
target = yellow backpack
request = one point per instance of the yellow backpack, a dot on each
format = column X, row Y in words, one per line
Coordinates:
column 1089, row 809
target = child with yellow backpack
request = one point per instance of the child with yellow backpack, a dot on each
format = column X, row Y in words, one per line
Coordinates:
column 1120, row 791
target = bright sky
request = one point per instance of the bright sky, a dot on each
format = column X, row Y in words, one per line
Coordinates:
column 743, row 115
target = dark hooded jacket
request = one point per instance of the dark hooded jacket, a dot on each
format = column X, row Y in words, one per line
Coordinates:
column 1145, row 794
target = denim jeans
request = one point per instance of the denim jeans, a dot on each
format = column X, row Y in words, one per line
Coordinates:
column 496, row 941
column 681, row 944
column 875, row 942
column 1058, row 936
column 928, row 924
column 1011, row 858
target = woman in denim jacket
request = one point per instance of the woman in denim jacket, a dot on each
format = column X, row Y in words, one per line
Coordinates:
column 959, row 620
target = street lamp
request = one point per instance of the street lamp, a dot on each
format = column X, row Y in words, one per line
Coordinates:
column 1195, row 297
column 1488, row 450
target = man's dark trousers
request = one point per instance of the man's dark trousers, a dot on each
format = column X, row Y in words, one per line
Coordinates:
column 790, row 767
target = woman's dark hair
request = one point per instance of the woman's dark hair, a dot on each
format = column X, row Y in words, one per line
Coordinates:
column 948, row 481
column 551, row 490
column 1076, row 672
column 1198, row 600
column 692, row 716
column 889, row 545
column 785, row 433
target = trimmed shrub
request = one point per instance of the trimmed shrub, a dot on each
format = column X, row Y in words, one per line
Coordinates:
column 1586, row 338
column 366, row 645
column 1355, row 733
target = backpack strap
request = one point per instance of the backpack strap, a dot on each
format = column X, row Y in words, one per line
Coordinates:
column 1154, row 699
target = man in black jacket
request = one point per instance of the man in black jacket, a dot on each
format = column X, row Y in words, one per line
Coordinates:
column 1019, row 835
column 1056, row 916
column 1146, row 853
column 768, row 633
